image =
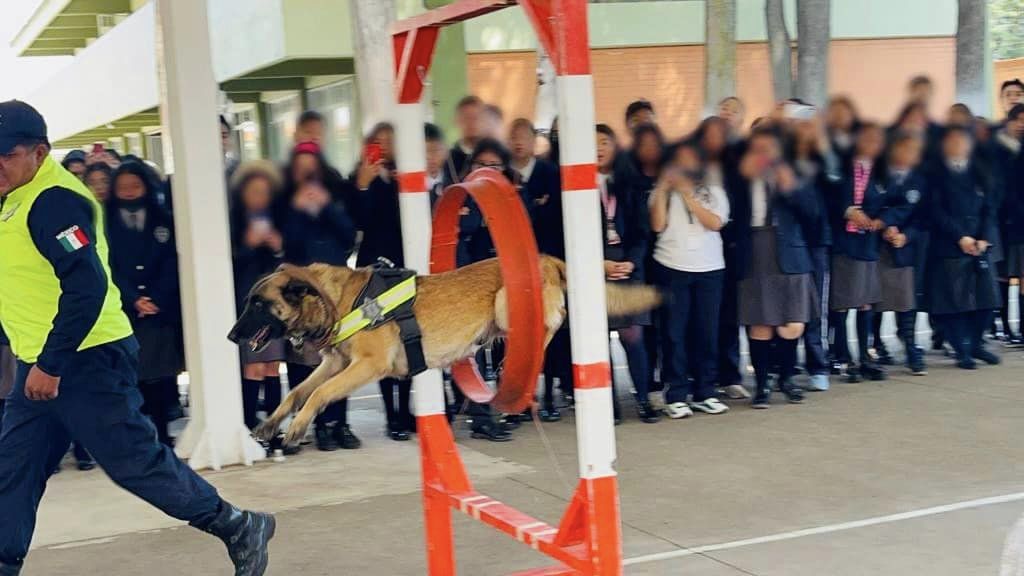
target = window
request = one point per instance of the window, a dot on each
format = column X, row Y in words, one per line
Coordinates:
column 341, row 139
column 283, row 113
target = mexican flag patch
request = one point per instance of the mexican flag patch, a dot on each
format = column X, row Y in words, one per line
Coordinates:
column 73, row 239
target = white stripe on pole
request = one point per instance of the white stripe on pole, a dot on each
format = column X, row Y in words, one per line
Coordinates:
column 595, row 432
column 576, row 120
column 584, row 250
column 414, row 207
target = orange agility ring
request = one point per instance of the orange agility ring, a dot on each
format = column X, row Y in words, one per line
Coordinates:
column 520, row 268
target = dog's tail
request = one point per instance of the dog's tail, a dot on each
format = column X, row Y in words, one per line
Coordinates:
column 622, row 299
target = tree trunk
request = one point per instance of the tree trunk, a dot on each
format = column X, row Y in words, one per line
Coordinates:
column 813, row 32
column 970, row 56
column 547, row 92
column 781, row 50
column 374, row 60
column 719, row 52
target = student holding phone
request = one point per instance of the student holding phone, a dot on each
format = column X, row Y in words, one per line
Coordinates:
column 687, row 214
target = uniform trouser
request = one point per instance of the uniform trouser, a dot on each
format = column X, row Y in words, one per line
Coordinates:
column 632, row 340
column 699, row 294
column 966, row 331
column 98, row 405
column 816, row 361
column 729, row 372
column 399, row 416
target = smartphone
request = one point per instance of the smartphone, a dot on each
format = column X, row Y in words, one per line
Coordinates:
column 373, row 153
column 98, row 149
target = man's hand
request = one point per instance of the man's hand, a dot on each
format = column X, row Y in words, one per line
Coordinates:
column 40, row 386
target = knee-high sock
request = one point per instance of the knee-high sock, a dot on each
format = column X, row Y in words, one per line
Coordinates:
column 761, row 358
column 863, row 330
column 271, row 394
column 876, row 330
column 250, row 401
column 785, row 357
column 1004, row 310
column 840, row 340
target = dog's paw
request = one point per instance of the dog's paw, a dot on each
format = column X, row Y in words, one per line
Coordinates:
column 296, row 431
column 266, row 431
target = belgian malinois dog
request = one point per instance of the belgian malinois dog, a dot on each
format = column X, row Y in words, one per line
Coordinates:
column 458, row 312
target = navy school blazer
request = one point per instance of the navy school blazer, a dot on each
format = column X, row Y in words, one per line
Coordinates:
column 905, row 206
column 862, row 244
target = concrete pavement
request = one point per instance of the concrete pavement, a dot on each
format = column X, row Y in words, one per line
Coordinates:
column 749, row 492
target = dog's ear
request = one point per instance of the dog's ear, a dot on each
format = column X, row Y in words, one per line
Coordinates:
column 294, row 291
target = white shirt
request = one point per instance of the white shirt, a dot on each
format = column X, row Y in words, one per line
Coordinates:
column 526, row 171
column 758, row 203
column 685, row 244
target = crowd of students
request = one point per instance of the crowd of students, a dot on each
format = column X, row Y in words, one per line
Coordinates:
column 779, row 230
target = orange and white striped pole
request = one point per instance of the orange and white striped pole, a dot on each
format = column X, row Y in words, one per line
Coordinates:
column 584, row 248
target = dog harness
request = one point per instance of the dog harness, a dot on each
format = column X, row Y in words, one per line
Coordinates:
column 388, row 296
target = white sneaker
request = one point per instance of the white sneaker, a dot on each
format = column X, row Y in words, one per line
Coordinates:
column 710, row 406
column 677, row 410
column 735, row 392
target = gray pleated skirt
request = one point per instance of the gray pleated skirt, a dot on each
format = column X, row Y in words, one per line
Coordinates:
column 897, row 286
column 855, row 283
column 769, row 297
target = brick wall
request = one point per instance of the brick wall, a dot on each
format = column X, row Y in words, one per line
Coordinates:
column 873, row 72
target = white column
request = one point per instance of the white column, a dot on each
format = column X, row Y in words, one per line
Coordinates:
column 216, row 435
column 414, row 206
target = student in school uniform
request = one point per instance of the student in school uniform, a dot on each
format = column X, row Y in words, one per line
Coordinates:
column 841, row 124
column 688, row 214
column 626, row 231
column 776, row 291
column 471, row 122
column 855, row 209
column 961, row 278
column 905, row 234
column 816, row 166
column 1008, row 178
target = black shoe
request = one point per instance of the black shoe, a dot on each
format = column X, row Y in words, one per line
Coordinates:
column 967, row 363
column 873, row 371
column 837, row 368
column 647, row 413
column 10, row 569
column 345, row 438
column 550, row 414
column 883, row 358
column 84, row 466
column 491, row 431
column 1013, row 340
column 917, row 366
column 247, row 535
column 852, row 373
column 399, row 435
column 277, row 443
column 762, row 398
column 509, row 422
column 794, row 394
column 986, row 357
column 325, row 441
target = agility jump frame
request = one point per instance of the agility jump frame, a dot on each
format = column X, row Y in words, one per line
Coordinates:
column 588, row 540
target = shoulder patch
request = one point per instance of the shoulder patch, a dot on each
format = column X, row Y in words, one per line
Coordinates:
column 73, row 239
column 162, row 234
column 913, row 196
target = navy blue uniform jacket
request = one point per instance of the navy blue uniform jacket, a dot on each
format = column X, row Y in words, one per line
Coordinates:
column 905, row 206
column 960, row 206
column 862, row 244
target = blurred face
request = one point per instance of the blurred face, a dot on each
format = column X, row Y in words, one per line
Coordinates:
column 488, row 159
column 916, row 121
column 839, row 116
column 958, row 117
column 305, row 167
column 806, row 131
column 19, row 167
column 522, row 143
column 648, row 150
column 437, row 154
column 99, row 183
column 715, row 138
column 494, row 125
column 957, row 146
column 605, row 151
column 257, row 194
column 225, row 138
column 78, row 169
column 906, row 154
column 129, row 187
column 870, row 143
column 469, row 120
column 1015, row 126
column 1012, row 95
column 640, row 117
column 385, row 139
column 765, row 149
column 921, row 92
column 310, row 131
column 688, row 160
column 731, row 111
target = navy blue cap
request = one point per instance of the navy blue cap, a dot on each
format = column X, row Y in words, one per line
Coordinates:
column 19, row 123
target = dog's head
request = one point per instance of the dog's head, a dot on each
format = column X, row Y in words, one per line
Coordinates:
column 286, row 303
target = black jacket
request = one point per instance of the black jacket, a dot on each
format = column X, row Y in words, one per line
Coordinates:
column 327, row 238
column 543, row 195
column 145, row 263
column 376, row 214
column 960, row 206
column 249, row 264
column 1008, row 180
column 786, row 213
column 862, row 244
column 906, row 207
column 632, row 224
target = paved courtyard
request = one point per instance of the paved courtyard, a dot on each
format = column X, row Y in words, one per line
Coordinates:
column 909, row 476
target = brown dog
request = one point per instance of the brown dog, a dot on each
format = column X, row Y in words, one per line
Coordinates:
column 457, row 313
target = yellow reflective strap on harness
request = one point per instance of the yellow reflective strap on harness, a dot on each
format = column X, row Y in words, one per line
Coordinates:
column 374, row 310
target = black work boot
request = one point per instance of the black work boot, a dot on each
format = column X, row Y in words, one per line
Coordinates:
column 10, row 569
column 246, row 535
